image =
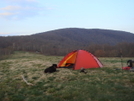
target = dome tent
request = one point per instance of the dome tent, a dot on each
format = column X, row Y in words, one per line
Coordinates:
column 79, row 59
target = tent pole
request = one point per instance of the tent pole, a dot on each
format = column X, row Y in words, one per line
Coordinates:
column 121, row 58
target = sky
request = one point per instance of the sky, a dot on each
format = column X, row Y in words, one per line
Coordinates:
column 26, row 17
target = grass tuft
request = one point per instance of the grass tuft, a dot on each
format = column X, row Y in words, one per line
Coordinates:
column 109, row 83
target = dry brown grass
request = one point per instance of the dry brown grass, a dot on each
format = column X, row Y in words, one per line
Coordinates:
column 115, row 62
column 32, row 66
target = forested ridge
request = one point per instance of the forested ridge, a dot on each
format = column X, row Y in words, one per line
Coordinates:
column 100, row 42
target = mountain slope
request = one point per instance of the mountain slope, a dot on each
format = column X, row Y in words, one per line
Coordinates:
column 62, row 41
column 88, row 36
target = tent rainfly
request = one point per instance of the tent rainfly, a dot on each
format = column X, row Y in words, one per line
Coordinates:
column 80, row 59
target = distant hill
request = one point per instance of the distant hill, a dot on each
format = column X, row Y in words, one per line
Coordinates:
column 61, row 41
column 87, row 36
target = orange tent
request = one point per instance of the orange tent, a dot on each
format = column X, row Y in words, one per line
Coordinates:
column 79, row 59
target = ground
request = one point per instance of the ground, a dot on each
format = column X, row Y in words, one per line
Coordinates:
column 109, row 83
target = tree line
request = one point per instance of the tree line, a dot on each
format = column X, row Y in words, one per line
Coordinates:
column 101, row 43
column 124, row 49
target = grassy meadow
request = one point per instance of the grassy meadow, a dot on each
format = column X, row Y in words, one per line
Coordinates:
column 109, row 83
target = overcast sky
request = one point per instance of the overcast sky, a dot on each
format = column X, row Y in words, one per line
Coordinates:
column 25, row 17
